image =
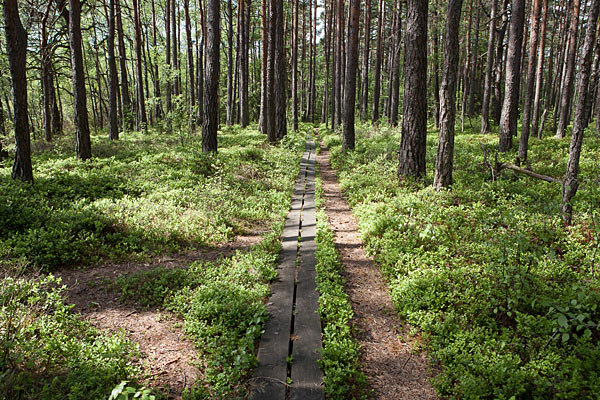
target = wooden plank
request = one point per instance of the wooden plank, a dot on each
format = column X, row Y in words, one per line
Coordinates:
column 307, row 377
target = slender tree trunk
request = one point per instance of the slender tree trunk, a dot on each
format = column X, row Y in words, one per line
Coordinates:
column 190, row 54
column 334, row 62
column 16, row 46
column 466, row 68
column 510, row 107
column 499, row 66
column 280, row 89
column 487, row 86
column 595, row 77
column 113, row 121
column 414, row 121
column 264, row 89
column 56, row 111
column 378, row 61
column 168, row 83
column 138, row 55
column 365, row 62
column 436, row 68
column 474, row 61
column 580, row 122
column 565, row 99
column 533, row 47
column 157, row 98
column 539, row 71
column 175, row 49
column 125, row 99
column 243, row 53
column 351, row 66
column 270, row 73
column 211, row 83
column 295, row 68
column 2, row 123
column 327, row 24
column 395, row 82
column 445, row 152
column 339, row 64
column 45, row 66
column 84, row 148
column 229, row 119
column 307, row 110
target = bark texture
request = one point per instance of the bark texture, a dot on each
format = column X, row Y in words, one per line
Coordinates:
column 414, row 122
column 445, row 153
column 350, row 84
column 210, row 123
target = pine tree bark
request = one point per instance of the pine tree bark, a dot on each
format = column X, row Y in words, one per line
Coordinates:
column 499, row 66
column 210, row 123
column 82, row 128
column 510, row 106
column 445, row 152
column 533, row 47
column 339, row 64
column 565, row 99
column 45, row 66
column 489, row 65
column 295, row 68
column 264, row 86
column 137, row 25
column 325, row 105
column 175, row 49
column 539, row 72
column 243, row 55
column 580, row 122
column 125, row 98
column 466, row 68
column 350, row 84
column 414, row 121
column 229, row 118
column 16, row 46
column 113, row 120
column 474, row 61
column 436, row 67
column 395, row 81
column 270, row 74
column 364, row 104
column 190, row 55
column 378, row 61
column 280, row 89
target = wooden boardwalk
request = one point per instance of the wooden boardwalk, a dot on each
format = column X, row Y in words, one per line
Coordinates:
column 291, row 345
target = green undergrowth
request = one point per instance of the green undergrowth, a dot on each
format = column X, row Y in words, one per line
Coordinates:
column 506, row 296
column 147, row 193
column 222, row 306
column 340, row 354
column 48, row 353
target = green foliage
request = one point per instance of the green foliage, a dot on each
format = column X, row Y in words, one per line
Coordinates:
column 222, row 306
column 340, row 354
column 505, row 295
column 47, row 352
column 145, row 194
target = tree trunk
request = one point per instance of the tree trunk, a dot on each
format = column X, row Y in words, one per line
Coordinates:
column 2, row 123
column 137, row 25
column 571, row 183
column 16, row 46
column 45, row 72
column 229, row 118
column 125, row 99
column 264, row 86
column 395, row 81
column 487, row 86
column 539, row 71
column 211, row 83
column 295, row 68
column 499, row 66
column 414, row 121
column 243, row 56
column 445, row 152
column 175, row 49
column 436, row 68
column 280, row 89
column 190, row 55
column 270, row 74
column 350, row 84
column 474, row 60
column 339, row 64
column 510, row 107
column 378, row 61
column 113, row 120
column 565, row 99
column 465, row 73
column 82, row 129
column 365, row 62
column 533, row 47
column 328, row 27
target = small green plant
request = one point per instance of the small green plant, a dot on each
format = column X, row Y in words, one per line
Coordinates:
column 124, row 392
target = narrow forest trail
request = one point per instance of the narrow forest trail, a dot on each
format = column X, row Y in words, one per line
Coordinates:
column 393, row 370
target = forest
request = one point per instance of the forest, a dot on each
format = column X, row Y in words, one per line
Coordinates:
column 303, row 199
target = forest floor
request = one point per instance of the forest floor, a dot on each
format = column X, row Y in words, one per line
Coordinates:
column 168, row 358
column 389, row 356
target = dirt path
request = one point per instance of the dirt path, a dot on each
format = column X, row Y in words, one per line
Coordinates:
column 166, row 355
column 393, row 371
